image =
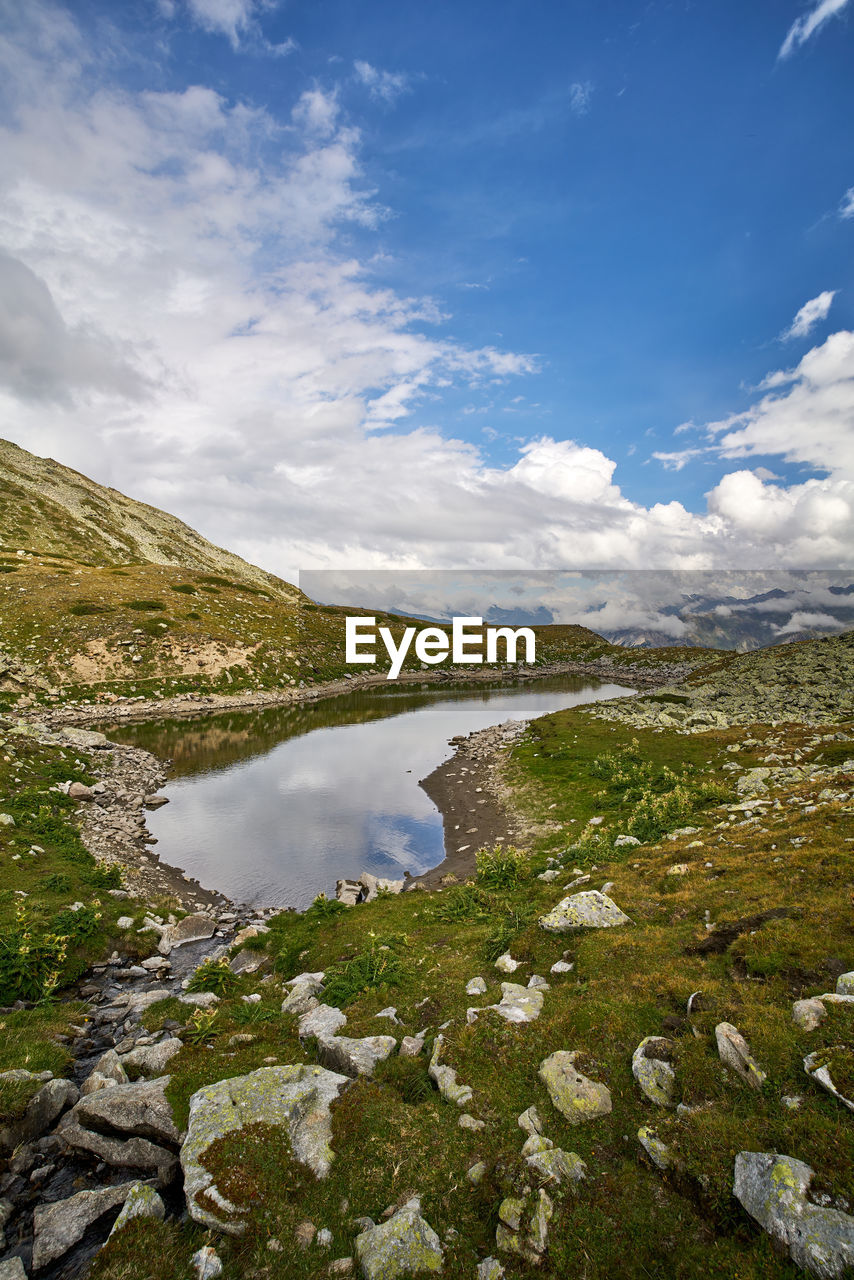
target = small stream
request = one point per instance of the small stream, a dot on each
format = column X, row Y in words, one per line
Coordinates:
column 271, row 807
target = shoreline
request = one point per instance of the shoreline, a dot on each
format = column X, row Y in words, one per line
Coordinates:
column 114, row 827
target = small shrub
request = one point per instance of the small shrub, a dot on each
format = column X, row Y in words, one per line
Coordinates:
column 144, row 606
column 322, row 908
column 58, row 882
column 213, row 975
column 31, row 963
column 105, row 875
column 76, row 926
column 201, row 1026
column 185, row 588
column 499, row 939
column 86, row 607
column 462, row 902
column 500, row 867
column 378, row 966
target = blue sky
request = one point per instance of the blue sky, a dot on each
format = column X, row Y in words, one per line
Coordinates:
column 458, row 284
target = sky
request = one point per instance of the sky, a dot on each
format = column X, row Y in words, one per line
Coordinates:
column 505, row 285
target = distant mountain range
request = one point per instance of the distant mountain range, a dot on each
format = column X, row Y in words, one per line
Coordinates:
column 773, row 617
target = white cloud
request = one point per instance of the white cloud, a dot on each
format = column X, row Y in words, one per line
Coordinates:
column 385, row 85
column 809, row 23
column 679, row 458
column 846, row 204
column 800, row 621
column 579, row 97
column 810, row 314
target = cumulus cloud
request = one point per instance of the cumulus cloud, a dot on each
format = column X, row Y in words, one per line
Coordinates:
column 260, row 382
column 802, row 621
column 846, row 204
column 808, row 24
column 810, row 314
column 385, row 85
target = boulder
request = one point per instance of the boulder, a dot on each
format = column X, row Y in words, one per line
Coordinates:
column 86, row 739
column 250, row 931
column 658, row 1151
column 506, row 963
column 588, row 910
column 529, row 1121
column 58, row 1227
column 110, row 1066
column 652, row 1071
column 123, row 1153
column 43, row 1110
column 355, row 1057
column 323, row 1022
column 373, row 884
column 405, row 1245
column 194, row 928
column 79, row 791
column 12, row 1268
column 845, row 984
column 348, row 891
column 523, row 1225
column 489, row 1269
column 142, row 1202
column 808, row 1014
column 475, row 987
column 206, row 1263
column 773, row 1189
column 151, row 1059
column 250, row 962
column 735, row 1053
column 296, row 1098
column 139, row 1110
column 575, row 1096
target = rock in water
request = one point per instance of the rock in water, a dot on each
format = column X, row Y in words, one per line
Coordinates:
column 193, row 928
column 141, row 1202
column 406, row 1245
column 653, row 1072
column 735, row 1053
column 588, row 910
column 575, row 1096
column 773, row 1189
column 296, row 1098
column 58, row 1227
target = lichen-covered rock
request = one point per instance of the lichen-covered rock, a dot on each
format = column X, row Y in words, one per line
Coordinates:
column 406, row 1245
column 296, row 1098
column 734, row 1052
column 530, row 1121
column 506, row 963
column 139, row 1110
column 819, row 1066
column 142, row 1202
column 302, row 997
column 808, row 1014
column 588, row 910
column 845, row 984
column 518, row 1003
column 658, row 1151
column 110, row 1066
column 355, row 1057
column 475, row 987
column 654, row 1074
column 13, row 1268
column 489, row 1269
column 773, row 1189
column 58, row 1227
column 445, row 1078
column 575, row 1096
column 557, row 1167
column 524, row 1230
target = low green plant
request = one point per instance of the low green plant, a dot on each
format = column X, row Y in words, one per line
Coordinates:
column 378, row 965
column 200, row 1027
column 185, row 588
column 31, row 961
column 215, row 976
column 105, row 875
column 499, row 939
column 462, row 902
column 87, row 608
column 144, row 606
column 501, row 867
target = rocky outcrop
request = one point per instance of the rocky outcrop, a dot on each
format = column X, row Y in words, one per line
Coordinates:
column 58, row 1227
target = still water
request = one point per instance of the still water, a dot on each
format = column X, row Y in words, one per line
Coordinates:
column 272, row 807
